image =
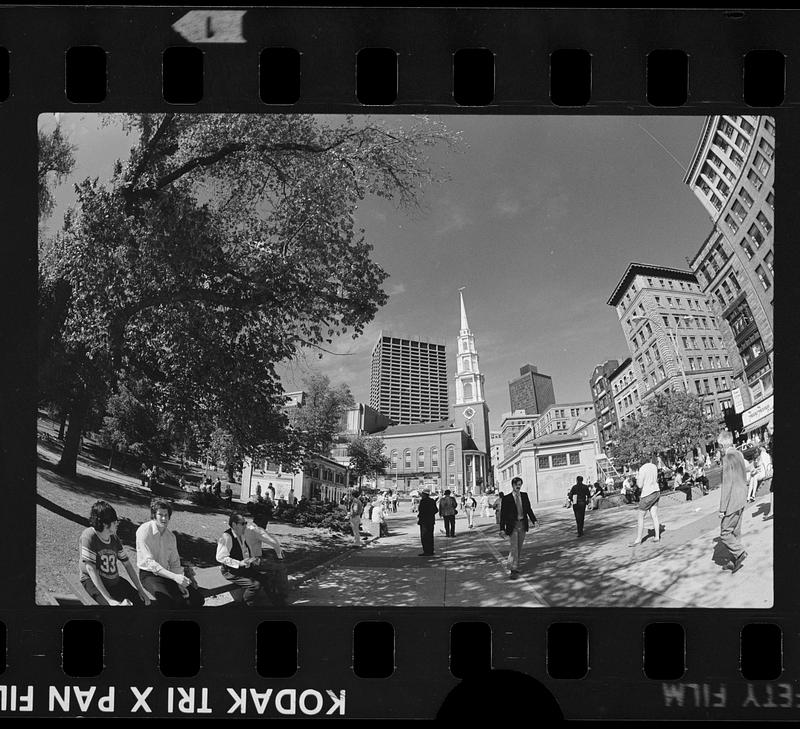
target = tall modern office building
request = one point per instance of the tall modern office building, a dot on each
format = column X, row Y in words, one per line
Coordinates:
column 408, row 380
column 531, row 391
column 732, row 174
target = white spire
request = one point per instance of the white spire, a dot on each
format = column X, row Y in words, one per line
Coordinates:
column 464, row 323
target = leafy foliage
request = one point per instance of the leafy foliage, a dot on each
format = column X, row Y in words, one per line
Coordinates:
column 367, row 457
column 318, row 418
column 56, row 162
column 222, row 246
column 672, row 424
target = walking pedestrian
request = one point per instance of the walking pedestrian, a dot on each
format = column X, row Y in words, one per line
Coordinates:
column 355, row 509
column 732, row 500
column 515, row 510
column 579, row 495
column 426, row 520
column 469, row 509
column 448, row 511
column 649, row 493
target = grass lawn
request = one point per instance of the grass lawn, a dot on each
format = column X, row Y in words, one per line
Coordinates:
column 63, row 506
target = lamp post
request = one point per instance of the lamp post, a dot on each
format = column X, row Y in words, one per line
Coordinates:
column 672, row 336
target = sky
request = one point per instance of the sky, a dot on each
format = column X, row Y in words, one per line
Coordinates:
column 538, row 220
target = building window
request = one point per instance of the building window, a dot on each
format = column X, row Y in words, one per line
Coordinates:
column 407, row 459
column 771, row 199
column 709, row 408
column 769, row 262
column 559, row 459
column 393, row 459
column 746, row 125
column 451, row 479
column 420, row 459
column 735, row 282
column 766, row 148
column 761, row 164
column 742, row 142
column 451, row 456
column 518, row 467
column 755, row 235
column 745, row 197
column 544, row 462
column 732, row 224
column 738, row 210
column 574, row 458
column 434, row 457
column 698, row 387
column 762, row 276
column 756, row 181
column 748, row 251
column 764, row 221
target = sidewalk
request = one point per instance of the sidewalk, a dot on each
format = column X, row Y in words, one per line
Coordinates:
column 558, row 568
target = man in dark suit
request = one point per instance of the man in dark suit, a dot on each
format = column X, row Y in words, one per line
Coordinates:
column 579, row 494
column 426, row 520
column 515, row 512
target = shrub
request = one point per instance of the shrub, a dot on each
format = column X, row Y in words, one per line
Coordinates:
column 205, row 498
column 313, row 514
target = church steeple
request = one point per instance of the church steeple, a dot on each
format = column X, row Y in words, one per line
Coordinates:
column 469, row 380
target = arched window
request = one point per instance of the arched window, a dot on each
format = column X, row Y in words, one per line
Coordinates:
column 421, row 459
column 469, row 429
column 451, row 456
column 468, row 391
column 394, row 459
column 434, row 457
column 407, row 459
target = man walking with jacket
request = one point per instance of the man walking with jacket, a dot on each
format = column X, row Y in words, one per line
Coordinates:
column 515, row 511
column 732, row 500
column 579, row 495
column 447, row 510
column 426, row 520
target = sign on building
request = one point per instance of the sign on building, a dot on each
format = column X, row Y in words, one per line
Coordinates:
column 738, row 403
column 761, row 410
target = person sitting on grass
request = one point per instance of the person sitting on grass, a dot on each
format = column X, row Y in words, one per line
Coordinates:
column 99, row 552
column 159, row 563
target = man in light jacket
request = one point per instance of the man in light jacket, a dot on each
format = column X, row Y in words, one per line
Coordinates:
column 732, row 500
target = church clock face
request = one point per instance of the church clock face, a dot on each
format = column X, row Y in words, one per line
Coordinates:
column 469, row 413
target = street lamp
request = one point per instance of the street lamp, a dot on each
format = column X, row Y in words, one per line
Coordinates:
column 672, row 336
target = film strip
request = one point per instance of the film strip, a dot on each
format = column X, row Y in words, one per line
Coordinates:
column 559, row 653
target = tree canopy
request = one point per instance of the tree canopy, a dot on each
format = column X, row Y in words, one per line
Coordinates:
column 673, row 423
column 56, row 162
column 222, row 246
column 318, row 419
column 367, row 457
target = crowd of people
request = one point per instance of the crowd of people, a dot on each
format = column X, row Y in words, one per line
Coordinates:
column 159, row 576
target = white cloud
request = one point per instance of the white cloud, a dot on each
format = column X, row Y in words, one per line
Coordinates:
column 456, row 218
column 395, row 289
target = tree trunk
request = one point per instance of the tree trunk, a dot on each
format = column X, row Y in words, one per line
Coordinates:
column 229, row 468
column 63, row 425
column 111, row 458
column 68, row 464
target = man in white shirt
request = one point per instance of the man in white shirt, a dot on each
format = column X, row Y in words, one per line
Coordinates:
column 159, row 564
column 647, row 480
column 235, row 555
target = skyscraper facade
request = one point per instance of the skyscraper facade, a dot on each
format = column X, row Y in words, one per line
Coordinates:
column 673, row 335
column 732, row 174
column 408, row 380
column 532, row 391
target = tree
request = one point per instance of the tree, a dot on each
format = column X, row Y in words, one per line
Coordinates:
column 318, row 418
column 367, row 457
column 133, row 424
column 56, row 162
column 224, row 449
column 672, row 424
column 222, row 246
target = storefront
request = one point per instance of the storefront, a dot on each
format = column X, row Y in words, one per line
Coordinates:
column 759, row 418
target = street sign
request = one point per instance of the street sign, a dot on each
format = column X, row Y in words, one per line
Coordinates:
column 738, row 403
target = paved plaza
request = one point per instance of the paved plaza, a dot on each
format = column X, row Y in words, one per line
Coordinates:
column 559, row 569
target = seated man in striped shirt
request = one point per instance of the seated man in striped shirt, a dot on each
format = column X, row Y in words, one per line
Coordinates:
column 100, row 550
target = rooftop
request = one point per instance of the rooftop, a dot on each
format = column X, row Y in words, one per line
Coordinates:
column 647, row 269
